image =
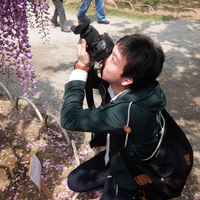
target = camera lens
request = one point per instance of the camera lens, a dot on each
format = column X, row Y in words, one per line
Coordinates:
column 100, row 45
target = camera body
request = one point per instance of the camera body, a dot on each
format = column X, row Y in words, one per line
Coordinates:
column 100, row 46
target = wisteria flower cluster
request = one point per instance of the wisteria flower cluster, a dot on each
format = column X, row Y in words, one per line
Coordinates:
column 15, row 53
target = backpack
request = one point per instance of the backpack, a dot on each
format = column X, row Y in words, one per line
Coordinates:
column 163, row 175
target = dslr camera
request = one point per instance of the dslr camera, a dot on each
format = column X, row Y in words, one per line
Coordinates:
column 99, row 46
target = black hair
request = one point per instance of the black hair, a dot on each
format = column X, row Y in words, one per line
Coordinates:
column 144, row 59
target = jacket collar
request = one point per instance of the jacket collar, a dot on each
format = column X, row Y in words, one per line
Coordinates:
column 114, row 96
column 140, row 94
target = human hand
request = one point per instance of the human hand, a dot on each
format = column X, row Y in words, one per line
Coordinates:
column 83, row 56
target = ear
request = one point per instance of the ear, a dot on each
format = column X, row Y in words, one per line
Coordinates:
column 127, row 81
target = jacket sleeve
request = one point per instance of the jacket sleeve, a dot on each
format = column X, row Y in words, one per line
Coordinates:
column 103, row 119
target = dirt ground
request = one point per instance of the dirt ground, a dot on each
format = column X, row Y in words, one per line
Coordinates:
column 177, row 9
column 22, row 133
column 184, row 10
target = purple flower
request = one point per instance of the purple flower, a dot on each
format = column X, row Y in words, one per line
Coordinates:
column 15, row 53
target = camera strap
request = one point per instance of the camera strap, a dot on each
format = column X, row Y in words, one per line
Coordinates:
column 102, row 90
column 89, row 86
column 88, row 89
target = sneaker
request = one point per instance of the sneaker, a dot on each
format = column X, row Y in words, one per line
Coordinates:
column 66, row 30
column 55, row 23
column 103, row 22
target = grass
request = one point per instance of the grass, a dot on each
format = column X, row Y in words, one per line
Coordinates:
column 151, row 2
column 73, row 7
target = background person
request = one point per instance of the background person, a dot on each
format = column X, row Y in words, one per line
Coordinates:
column 130, row 74
column 99, row 6
column 60, row 11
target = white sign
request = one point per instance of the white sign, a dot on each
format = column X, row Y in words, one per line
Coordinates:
column 35, row 171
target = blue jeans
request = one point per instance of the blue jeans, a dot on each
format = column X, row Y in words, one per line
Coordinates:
column 93, row 175
column 99, row 6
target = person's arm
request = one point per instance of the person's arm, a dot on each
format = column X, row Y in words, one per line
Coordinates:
column 102, row 119
column 73, row 116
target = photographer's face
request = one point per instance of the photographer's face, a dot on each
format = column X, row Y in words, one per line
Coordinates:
column 113, row 69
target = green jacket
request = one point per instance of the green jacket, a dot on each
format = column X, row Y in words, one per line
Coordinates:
column 111, row 117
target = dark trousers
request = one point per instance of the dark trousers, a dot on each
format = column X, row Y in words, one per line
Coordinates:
column 93, row 175
column 59, row 11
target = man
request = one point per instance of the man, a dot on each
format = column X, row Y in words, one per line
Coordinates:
column 60, row 11
column 99, row 6
column 130, row 74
